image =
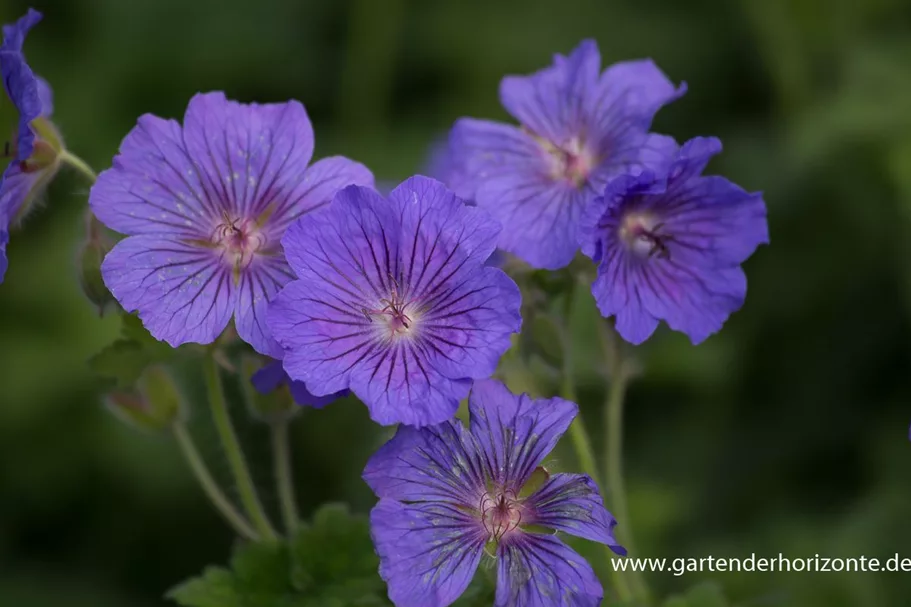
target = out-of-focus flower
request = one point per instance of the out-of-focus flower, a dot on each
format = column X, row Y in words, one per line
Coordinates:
column 272, row 376
column 449, row 494
column 205, row 206
column 30, row 145
column 579, row 127
column 669, row 245
column 393, row 301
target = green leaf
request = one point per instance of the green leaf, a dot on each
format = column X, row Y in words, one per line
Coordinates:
column 124, row 360
column 214, row 588
column 334, row 557
column 707, row 594
column 328, row 563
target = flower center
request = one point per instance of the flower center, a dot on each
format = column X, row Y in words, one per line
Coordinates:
column 240, row 239
column 393, row 312
column 501, row 513
column 571, row 162
column 643, row 236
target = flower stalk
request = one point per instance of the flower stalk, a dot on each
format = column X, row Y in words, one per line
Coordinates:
column 233, row 452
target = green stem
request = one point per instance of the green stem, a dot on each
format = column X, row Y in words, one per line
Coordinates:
column 613, row 463
column 210, row 487
column 281, row 452
column 79, row 164
column 231, row 446
column 581, row 441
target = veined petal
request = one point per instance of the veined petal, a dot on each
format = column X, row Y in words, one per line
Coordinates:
column 515, row 432
column 321, row 181
column 428, row 552
column 155, row 187
column 251, row 156
column 552, row 102
column 437, row 226
column 183, row 293
column 434, row 464
column 627, row 97
column 541, row 571
column 257, row 285
column 21, row 86
column 571, row 503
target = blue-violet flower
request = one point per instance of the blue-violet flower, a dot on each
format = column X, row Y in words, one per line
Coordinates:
column 669, row 245
column 393, row 301
column 579, row 128
column 205, row 206
column 449, row 494
column 30, row 145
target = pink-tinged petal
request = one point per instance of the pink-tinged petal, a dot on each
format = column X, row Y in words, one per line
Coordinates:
column 428, row 552
column 155, row 187
column 258, row 284
column 252, row 156
column 571, row 503
column 183, row 293
column 510, row 175
column 516, row 432
column 553, row 102
column 434, row 464
column 542, row 571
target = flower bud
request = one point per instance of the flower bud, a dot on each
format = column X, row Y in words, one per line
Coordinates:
column 91, row 255
column 154, row 405
column 268, row 397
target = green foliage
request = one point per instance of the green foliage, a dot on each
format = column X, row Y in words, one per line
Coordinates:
column 328, row 563
column 704, row 595
column 123, row 361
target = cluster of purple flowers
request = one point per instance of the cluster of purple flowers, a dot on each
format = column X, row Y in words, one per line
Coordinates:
column 392, row 298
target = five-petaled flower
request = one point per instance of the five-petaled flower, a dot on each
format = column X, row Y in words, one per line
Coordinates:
column 393, row 301
column 205, row 206
column 579, row 128
column 669, row 245
column 449, row 494
column 30, row 145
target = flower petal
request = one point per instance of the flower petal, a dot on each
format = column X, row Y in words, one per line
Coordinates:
column 183, row 293
column 542, row 571
column 321, row 181
column 257, row 285
column 155, row 187
column 437, row 463
column 516, row 432
column 571, row 503
column 21, row 86
column 552, row 102
column 507, row 173
column 251, row 156
column 428, row 552
column 627, row 97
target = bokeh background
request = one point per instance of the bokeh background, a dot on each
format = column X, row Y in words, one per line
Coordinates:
column 786, row 433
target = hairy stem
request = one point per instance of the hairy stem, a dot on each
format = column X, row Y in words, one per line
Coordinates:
column 210, row 487
column 79, row 164
column 233, row 452
column 281, row 453
column 581, row 441
column 613, row 460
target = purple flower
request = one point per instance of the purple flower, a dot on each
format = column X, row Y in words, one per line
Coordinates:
column 273, row 376
column 394, row 302
column 29, row 143
column 205, row 206
column 669, row 245
column 449, row 494
column 579, row 127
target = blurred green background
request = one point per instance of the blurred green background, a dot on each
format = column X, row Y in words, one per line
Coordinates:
column 787, row 432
